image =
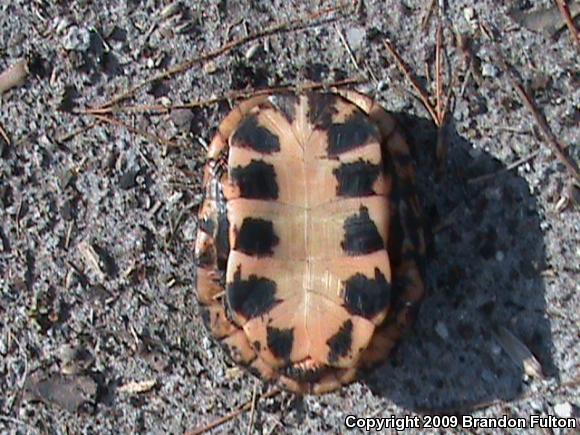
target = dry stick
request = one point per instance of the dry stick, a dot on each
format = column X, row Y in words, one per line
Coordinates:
column 427, row 18
column 145, row 134
column 240, row 409
column 549, row 135
column 508, row 168
column 234, row 95
column 442, row 104
column 567, row 17
column 353, row 58
column 439, row 75
column 78, row 131
column 347, row 48
column 253, row 409
column 288, row 26
column 5, row 135
column 421, row 94
column 139, row 108
column 438, row 113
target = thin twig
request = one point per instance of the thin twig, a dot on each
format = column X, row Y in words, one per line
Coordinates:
column 567, row 17
column 508, row 168
column 440, row 111
column 347, row 47
column 363, row 71
column 134, row 130
column 277, row 424
column 421, row 94
column 5, row 135
column 439, row 75
column 253, row 410
column 18, row 217
column 239, row 410
column 233, row 95
column 288, row 26
column 540, row 119
column 69, row 136
column 427, row 17
column 137, row 108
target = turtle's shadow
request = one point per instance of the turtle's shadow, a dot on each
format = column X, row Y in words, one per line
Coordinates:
column 483, row 273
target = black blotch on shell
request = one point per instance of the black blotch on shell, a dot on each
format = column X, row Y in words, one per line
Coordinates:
column 365, row 296
column 286, row 104
column 361, row 235
column 251, row 297
column 356, row 179
column 355, row 132
column 250, row 134
column 321, row 107
column 341, row 342
column 256, row 180
column 280, row 342
column 256, row 237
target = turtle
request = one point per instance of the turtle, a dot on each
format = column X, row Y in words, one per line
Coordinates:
column 310, row 250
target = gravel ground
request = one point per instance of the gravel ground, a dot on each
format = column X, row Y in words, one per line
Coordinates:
column 99, row 327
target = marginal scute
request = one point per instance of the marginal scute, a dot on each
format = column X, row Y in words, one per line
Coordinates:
column 310, row 249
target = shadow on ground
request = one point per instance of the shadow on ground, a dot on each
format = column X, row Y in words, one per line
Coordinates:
column 483, row 273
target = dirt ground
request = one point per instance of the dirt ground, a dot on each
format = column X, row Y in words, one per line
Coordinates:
column 99, row 327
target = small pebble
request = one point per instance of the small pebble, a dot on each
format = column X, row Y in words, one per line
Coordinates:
column 182, row 118
column 489, row 70
column 61, row 25
column 355, row 37
column 495, row 349
column 170, row 10
column 189, row 230
column 252, row 51
column 563, row 410
column 470, row 17
column 206, row 343
column 499, row 256
column 210, row 67
column 128, row 179
column 536, row 405
column 441, row 330
column 77, row 39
